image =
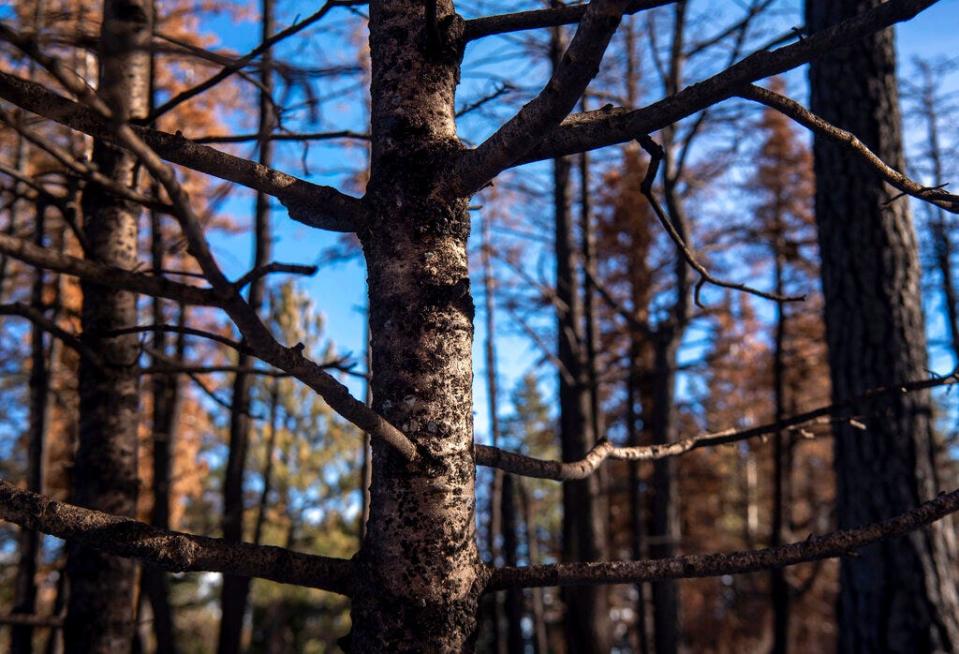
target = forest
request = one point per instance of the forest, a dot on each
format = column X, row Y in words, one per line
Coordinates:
column 479, row 326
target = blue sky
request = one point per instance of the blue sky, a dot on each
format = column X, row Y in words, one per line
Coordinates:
column 339, row 289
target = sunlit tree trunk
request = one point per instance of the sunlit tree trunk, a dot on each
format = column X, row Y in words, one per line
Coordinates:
column 417, row 578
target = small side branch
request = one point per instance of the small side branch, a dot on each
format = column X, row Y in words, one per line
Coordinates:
column 818, row 125
column 478, row 28
column 322, row 207
column 655, row 152
column 170, row 550
column 814, row 548
column 527, row 466
column 110, row 276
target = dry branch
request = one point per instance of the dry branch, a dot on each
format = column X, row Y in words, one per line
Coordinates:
column 170, row 550
column 814, row 548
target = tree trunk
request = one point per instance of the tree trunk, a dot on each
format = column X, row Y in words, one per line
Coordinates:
column 540, row 639
column 587, row 621
column 514, row 596
column 898, row 595
column 417, row 576
column 782, row 464
column 25, row 592
column 497, row 490
column 100, row 612
column 235, row 589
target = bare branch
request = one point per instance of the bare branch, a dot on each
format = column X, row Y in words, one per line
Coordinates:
column 317, row 206
column 274, row 267
column 37, row 318
column 609, row 126
column 656, row 154
column 527, row 466
column 109, row 276
column 478, row 28
column 514, row 139
column 814, row 548
column 248, row 57
column 818, row 125
column 170, row 550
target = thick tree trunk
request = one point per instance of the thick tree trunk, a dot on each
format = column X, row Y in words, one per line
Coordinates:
column 898, row 595
column 418, row 577
column 25, row 591
column 100, row 611
column 235, row 589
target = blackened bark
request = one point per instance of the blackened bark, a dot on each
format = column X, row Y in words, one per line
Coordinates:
column 584, row 539
column 898, row 595
column 25, row 591
column 540, row 640
column 417, row 576
column 782, row 458
column 586, row 621
column 101, row 607
column 514, row 596
column 235, row 589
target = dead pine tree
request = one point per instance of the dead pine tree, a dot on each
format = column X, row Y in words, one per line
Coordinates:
column 416, row 581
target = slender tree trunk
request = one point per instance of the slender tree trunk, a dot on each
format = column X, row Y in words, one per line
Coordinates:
column 898, row 595
column 636, row 496
column 587, row 622
column 514, row 596
column 25, row 591
column 782, row 468
column 235, row 589
column 497, row 497
column 101, row 605
column 540, row 638
column 942, row 238
column 417, row 576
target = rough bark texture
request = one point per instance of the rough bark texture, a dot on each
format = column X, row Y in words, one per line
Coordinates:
column 100, row 609
column 418, row 577
column 899, row 595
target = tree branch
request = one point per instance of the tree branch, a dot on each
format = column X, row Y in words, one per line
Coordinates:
column 514, row 139
column 109, row 276
column 609, row 126
column 478, row 28
column 527, row 466
column 170, row 550
column 814, row 123
column 322, row 207
column 814, row 548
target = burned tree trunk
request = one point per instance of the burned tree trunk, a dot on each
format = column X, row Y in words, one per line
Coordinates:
column 898, row 595
column 417, row 576
column 100, row 610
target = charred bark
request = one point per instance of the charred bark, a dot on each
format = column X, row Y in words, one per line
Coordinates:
column 898, row 595
column 101, row 607
column 417, row 576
